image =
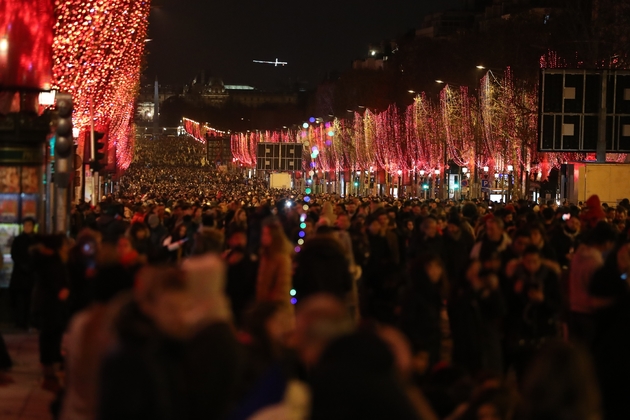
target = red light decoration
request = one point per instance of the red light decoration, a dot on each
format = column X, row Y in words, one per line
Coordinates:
column 200, row 131
column 498, row 128
column 25, row 43
column 97, row 51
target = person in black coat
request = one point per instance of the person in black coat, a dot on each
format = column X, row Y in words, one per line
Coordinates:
column 22, row 277
column 379, row 286
column 241, row 274
column 50, row 302
column 427, row 241
column 169, row 363
column 459, row 243
column 355, row 379
column 82, row 269
column 475, row 315
column 421, row 306
column 535, row 303
column 322, row 268
column 611, row 345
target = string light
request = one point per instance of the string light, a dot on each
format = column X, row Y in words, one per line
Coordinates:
column 496, row 127
column 97, row 51
column 199, row 131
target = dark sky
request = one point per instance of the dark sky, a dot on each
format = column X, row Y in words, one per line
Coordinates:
column 224, row 36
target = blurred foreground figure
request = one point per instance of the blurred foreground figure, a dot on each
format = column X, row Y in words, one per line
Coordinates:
column 177, row 357
column 561, row 385
column 89, row 337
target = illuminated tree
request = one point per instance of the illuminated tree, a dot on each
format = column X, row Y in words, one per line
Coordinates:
column 97, row 52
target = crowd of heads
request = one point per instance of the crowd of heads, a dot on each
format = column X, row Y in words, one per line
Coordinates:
column 245, row 301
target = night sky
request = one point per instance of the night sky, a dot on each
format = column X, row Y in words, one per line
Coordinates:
column 224, row 36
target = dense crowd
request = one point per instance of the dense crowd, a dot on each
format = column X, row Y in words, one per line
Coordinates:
column 199, row 294
column 174, row 168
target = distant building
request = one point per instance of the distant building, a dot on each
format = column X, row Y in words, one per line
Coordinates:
column 501, row 10
column 211, row 91
column 446, row 24
column 377, row 55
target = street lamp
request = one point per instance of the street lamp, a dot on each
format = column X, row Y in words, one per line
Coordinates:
column 486, row 169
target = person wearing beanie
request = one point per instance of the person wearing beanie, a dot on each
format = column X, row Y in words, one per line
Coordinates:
column 177, row 356
column 594, row 211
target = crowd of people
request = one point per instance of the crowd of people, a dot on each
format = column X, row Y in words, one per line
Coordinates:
column 194, row 294
column 170, row 169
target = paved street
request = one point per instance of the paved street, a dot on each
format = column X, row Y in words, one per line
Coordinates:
column 24, row 399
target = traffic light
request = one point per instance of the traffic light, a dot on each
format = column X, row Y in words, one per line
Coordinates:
column 100, row 159
column 63, row 141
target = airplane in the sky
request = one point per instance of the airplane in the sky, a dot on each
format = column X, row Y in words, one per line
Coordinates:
column 275, row 63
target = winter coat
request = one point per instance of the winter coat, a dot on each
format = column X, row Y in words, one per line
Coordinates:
column 22, row 277
column 273, row 283
column 423, row 246
column 88, row 338
column 475, row 319
column 531, row 323
column 486, row 247
column 610, row 350
column 457, row 256
column 420, row 317
column 150, row 375
column 241, row 285
column 51, row 276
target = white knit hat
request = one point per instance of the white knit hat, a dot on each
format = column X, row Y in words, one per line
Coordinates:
column 206, row 282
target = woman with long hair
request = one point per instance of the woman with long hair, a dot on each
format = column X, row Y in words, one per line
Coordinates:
column 274, row 271
column 177, row 245
column 238, row 223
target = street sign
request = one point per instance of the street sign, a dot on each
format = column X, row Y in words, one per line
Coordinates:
column 485, row 185
column 279, row 156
